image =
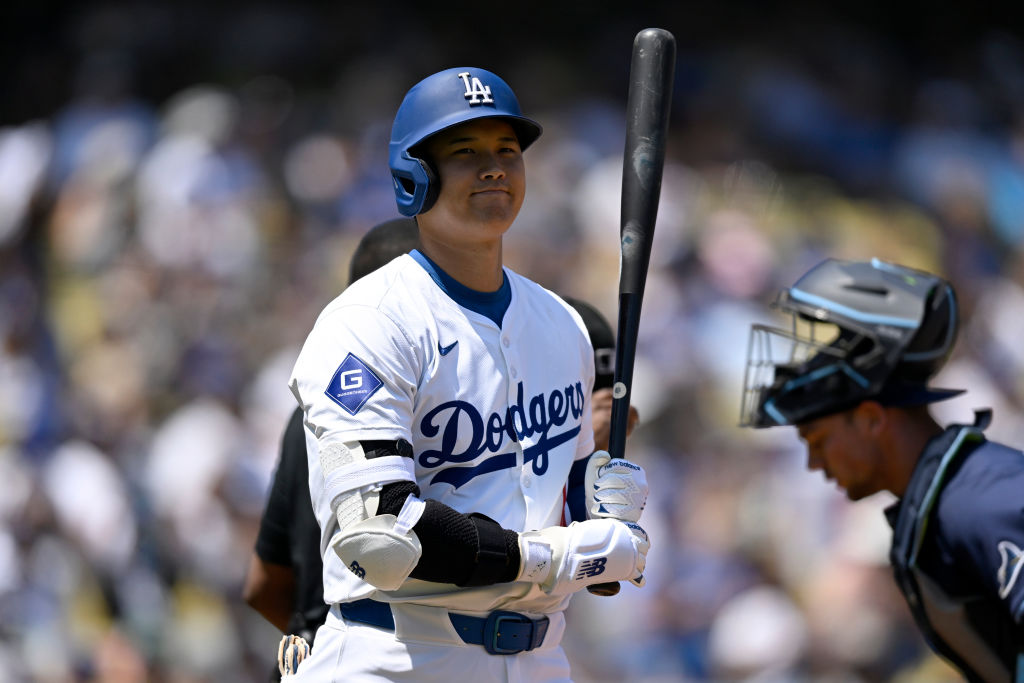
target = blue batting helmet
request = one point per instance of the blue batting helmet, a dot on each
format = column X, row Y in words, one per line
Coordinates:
column 441, row 101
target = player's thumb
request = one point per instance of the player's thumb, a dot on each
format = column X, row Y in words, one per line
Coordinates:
column 597, row 460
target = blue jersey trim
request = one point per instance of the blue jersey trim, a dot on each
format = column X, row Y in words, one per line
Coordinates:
column 489, row 304
column 925, row 507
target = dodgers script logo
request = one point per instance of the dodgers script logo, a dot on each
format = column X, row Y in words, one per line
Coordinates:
column 539, row 417
column 476, row 91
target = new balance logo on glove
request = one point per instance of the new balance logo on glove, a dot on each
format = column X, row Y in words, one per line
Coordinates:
column 591, row 568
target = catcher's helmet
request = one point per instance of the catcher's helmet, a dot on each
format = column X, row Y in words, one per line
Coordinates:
column 441, row 101
column 889, row 329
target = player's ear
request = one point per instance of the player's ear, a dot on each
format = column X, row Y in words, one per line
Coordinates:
column 871, row 417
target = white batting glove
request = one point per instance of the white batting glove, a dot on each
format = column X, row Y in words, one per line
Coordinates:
column 564, row 560
column 614, row 488
column 290, row 653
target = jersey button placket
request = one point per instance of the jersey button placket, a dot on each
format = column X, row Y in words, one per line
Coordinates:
column 511, row 396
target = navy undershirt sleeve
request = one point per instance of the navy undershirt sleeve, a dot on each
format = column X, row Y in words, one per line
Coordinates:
column 576, row 495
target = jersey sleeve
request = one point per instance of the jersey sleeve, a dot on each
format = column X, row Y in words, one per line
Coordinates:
column 983, row 523
column 356, row 376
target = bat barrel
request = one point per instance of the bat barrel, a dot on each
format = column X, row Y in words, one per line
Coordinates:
column 649, row 101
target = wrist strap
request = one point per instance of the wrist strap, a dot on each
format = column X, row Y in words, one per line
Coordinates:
column 536, row 561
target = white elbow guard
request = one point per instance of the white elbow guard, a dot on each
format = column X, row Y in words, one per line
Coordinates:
column 353, row 482
column 380, row 549
column 383, row 550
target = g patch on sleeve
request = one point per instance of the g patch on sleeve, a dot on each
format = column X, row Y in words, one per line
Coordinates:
column 353, row 384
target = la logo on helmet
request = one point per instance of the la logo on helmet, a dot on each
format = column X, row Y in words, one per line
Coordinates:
column 476, row 92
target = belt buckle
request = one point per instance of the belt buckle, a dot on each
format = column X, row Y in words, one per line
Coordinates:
column 492, row 632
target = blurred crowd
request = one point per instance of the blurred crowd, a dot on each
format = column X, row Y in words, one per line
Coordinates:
column 162, row 259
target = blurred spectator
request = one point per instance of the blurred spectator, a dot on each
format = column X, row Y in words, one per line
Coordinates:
column 180, row 193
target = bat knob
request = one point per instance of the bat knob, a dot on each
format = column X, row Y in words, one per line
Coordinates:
column 604, row 589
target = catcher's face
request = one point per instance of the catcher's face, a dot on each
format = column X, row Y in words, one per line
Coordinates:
column 842, row 446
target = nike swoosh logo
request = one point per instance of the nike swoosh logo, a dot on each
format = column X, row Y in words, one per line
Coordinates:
column 444, row 350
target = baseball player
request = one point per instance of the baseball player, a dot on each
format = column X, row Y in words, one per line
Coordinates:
column 446, row 405
column 867, row 337
column 284, row 581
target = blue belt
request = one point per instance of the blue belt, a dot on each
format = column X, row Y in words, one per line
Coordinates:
column 500, row 633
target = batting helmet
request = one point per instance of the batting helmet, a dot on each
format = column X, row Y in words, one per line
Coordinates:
column 441, row 101
column 887, row 330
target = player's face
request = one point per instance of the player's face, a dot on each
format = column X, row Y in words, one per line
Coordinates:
column 483, row 180
column 839, row 446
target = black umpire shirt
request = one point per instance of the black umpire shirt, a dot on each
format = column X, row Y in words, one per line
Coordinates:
column 290, row 535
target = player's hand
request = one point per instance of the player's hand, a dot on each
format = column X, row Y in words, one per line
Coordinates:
column 290, row 653
column 601, row 415
column 614, row 488
column 566, row 559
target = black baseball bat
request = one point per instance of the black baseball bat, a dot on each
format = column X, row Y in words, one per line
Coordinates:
column 647, row 110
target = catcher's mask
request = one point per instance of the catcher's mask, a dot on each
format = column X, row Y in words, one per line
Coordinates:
column 860, row 330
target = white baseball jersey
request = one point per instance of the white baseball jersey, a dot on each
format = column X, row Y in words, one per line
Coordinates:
column 495, row 415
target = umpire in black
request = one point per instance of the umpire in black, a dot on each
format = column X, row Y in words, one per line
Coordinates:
column 867, row 338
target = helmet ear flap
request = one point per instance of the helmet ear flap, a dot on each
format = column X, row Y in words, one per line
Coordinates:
column 433, row 189
column 416, row 185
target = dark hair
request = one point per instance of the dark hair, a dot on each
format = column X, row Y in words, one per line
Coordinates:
column 383, row 243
